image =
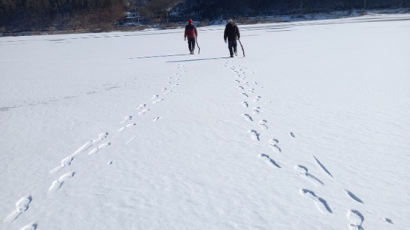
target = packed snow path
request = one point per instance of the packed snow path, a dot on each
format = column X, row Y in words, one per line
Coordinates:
column 127, row 131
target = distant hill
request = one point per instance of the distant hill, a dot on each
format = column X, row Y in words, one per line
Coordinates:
column 17, row 15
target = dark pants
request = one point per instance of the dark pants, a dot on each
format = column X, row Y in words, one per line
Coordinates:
column 191, row 44
column 232, row 47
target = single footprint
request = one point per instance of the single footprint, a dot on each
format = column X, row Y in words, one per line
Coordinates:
column 274, row 141
column 292, row 134
column 254, row 134
column 320, row 203
column 32, row 226
column 141, row 106
column 143, row 111
column 305, row 171
column 22, row 205
column 356, row 219
column 66, row 161
column 248, row 117
column 156, row 119
column 100, row 137
column 276, row 147
column 273, row 162
column 98, row 148
column 241, row 87
column 388, row 220
column 158, row 100
column 126, row 126
column 57, row 184
column 245, row 104
column 245, row 94
column 126, row 118
column 257, row 98
column 257, row 110
column 263, row 123
column 274, row 144
column 130, row 124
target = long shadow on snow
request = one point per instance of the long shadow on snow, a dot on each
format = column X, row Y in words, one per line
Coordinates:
column 159, row 56
column 199, row 59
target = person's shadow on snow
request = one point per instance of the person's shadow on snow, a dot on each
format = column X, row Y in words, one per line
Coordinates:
column 159, row 56
column 199, row 59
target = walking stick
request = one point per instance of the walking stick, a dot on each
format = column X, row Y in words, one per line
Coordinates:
column 199, row 48
column 243, row 51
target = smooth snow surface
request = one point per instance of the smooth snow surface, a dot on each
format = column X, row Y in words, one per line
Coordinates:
column 125, row 130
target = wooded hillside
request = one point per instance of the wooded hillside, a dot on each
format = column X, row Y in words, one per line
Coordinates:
column 62, row 14
column 218, row 8
column 26, row 15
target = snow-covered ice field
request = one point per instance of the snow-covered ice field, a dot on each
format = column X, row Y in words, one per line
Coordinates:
column 125, row 130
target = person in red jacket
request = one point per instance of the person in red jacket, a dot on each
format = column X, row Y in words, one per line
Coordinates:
column 191, row 33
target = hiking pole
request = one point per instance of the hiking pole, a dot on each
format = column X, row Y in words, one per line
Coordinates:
column 243, row 51
column 199, row 48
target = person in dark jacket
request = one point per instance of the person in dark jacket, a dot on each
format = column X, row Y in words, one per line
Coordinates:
column 191, row 33
column 232, row 34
